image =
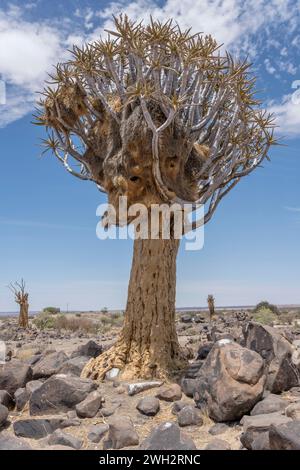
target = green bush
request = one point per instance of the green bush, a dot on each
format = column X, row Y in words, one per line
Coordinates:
column 264, row 305
column 44, row 321
column 51, row 310
column 265, row 317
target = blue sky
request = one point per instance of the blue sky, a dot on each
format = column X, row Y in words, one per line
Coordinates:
column 48, row 218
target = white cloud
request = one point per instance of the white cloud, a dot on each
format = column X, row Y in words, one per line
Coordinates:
column 287, row 113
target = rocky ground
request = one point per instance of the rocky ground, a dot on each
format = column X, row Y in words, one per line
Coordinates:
column 240, row 391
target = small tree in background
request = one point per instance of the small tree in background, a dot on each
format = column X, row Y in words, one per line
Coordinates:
column 211, row 306
column 21, row 298
column 158, row 115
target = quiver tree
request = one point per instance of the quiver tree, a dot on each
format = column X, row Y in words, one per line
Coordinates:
column 161, row 116
column 211, row 306
column 21, row 298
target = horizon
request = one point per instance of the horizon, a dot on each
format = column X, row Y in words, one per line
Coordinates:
column 48, row 219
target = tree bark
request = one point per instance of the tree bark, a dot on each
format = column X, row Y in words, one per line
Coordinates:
column 148, row 346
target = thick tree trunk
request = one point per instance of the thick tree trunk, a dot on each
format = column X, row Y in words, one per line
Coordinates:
column 23, row 316
column 148, row 345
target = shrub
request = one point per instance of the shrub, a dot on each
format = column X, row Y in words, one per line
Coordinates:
column 44, row 320
column 264, row 305
column 51, row 310
column 265, row 317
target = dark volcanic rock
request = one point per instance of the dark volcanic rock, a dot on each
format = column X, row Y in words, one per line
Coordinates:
column 189, row 416
column 148, row 406
column 121, row 434
column 255, row 426
column 97, row 432
column 49, row 365
column 230, row 382
column 37, row 428
column 74, row 365
column 169, row 392
column 21, row 398
column 285, row 436
column 9, row 442
column 278, row 354
column 64, row 439
column 90, row 349
column 167, row 436
column 6, row 399
column 218, row 444
column 270, row 404
column 89, row 407
column 60, row 393
column 13, row 375
column 3, row 415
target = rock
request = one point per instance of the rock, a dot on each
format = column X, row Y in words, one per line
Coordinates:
column 285, row 436
column 204, row 350
column 49, row 365
column 189, row 416
column 112, row 374
column 21, row 398
column 261, row 442
column 74, row 365
column 3, row 415
column 56, row 447
column 148, row 406
column 293, row 410
column 270, row 404
column 32, row 386
column 255, row 426
column 121, row 434
column 90, row 349
column 89, row 407
column 6, row 399
column 139, row 387
column 60, row 393
column 167, row 436
column 97, row 432
column 109, row 410
column 13, row 375
column 37, row 428
column 177, row 406
column 9, row 442
column 278, row 354
column 218, row 444
column 186, row 319
column 169, row 393
column 64, row 439
column 218, row 428
column 230, row 382
column 188, row 386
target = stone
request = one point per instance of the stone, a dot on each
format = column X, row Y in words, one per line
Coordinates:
column 32, row 386
column 121, row 434
column 3, row 415
column 255, row 426
column 90, row 349
column 109, row 410
column 138, row 387
column 60, row 393
column 148, row 406
column 218, row 444
column 189, row 416
column 9, row 442
column 13, row 375
column 74, row 365
column 97, row 432
column 293, row 410
column 218, row 428
column 169, row 393
column 204, row 350
column 177, row 406
column 89, row 407
column 167, row 436
column 65, row 439
column 37, row 428
column 285, row 436
column 270, row 404
column 188, row 386
column 231, row 381
column 49, row 365
column 186, row 319
column 6, row 399
column 278, row 353
column 112, row 374
column 56, row 447
column 21, row 398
